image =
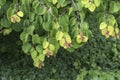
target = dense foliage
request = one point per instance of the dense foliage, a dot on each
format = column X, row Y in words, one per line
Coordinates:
column 92, row 60
column 43, row 26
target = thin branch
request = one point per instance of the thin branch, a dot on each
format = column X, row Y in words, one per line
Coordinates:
column 74, row 5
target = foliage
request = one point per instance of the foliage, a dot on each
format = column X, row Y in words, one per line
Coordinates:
column 98, row 75
column 46, row 25
column 98, row 55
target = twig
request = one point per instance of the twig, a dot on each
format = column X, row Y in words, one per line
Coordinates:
column 74, row 4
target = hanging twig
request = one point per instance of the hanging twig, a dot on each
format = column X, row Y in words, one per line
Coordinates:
column 74, row 5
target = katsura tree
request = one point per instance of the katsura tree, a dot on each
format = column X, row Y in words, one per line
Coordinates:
column 45, row 26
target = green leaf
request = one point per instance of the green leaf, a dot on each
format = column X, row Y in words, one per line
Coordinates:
column 45, row 44
column 62, row 42
column 97, row 2
column 92, row 7
column 55, row 43
column 40, row 10
column 72, row 22
column 2, row 2
column 59, row 35
column 34, row 54
column 56, row 25
column 26, row 47
column 117, row 30
column 42, row 57
column 54, row 11
column 5, row 22
column 78, row 40
column 26, row 5
column 45, row 51
column 79, row 5
column 82, row 15
column 54, row 1
column 7, row 31
column 17, row 27
column 76, row 45
column 39, row 48
column 36, row 62
column 32, row 49
column 35, row 4
column 61, row 2
column 20, row 13
column 64, row 21
column 31, row 16
column 10, row 12
column 67, row 37
column 71, row 49
column 24, row 37
column 30, row 29
column 111, row 20
column 51, row 47
column 114, row 7
column 103, row 25
column 47, row 26
column 110, row 29
column 47, row 17
column 71, row 10
column 84, row 1
column 35, row 39
column 84, row 27
column 26, row 23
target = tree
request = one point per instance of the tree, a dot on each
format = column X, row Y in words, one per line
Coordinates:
column 47, row 25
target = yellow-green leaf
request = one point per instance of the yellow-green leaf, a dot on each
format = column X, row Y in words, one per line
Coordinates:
column 45, row 44
column 56, row 25
column 51, row 47
column 110, row 29
column 104, row 31
column 78, row 39
column 117, row 30
column 45, row 51
column 62, row 42
column 92, row 7
column 97, row 2
column 70, row 10
column 54, row 1
column 34, row 54
column 67, row 37
column 42, row 57
column 59, row 35
column 15, row 18
column 84, row 1
column 85, row 39
column 103, row 25
column 20, row 14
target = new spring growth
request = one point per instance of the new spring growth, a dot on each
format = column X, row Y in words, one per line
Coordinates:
column 81, row 38
column 17, row 17
column 48, row 48
column 108, row 30
column 90, row 4
column 64, row 39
